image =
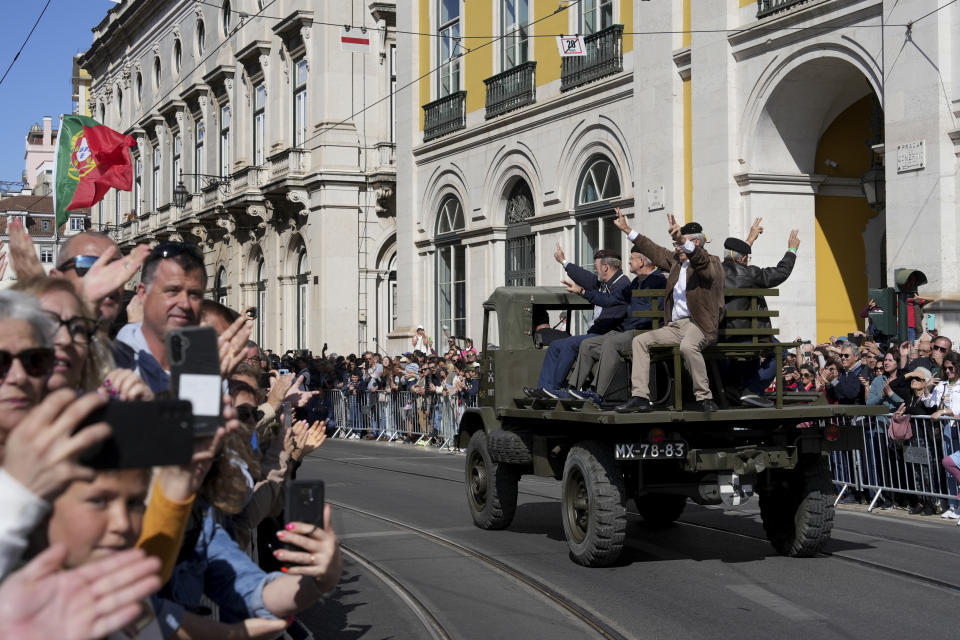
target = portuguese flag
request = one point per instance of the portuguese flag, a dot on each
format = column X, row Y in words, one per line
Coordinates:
column 91, row 158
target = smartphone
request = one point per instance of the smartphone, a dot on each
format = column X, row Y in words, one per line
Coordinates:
column 194, row 358
column 146, row 433
column 251, row 313
column 304, row 502
column 283, row 372
column 931, row 322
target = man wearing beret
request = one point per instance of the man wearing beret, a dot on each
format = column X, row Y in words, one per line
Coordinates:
column 692, row 309
column 740, row 274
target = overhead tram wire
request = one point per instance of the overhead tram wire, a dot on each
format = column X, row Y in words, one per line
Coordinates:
column 25, row 41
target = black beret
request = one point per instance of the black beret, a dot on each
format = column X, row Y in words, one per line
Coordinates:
column 691, row 227
column 738, row 245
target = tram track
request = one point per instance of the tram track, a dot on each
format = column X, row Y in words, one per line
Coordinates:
column 877, row 566
column 590, row 618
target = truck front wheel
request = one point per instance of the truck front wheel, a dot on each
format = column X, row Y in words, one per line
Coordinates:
column 797, row 509
column 491, row 486
column 594, row 511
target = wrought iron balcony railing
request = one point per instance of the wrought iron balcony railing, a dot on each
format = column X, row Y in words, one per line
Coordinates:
column 446, row 115
column 604, row 57
column 511, row 89
column 769, row 7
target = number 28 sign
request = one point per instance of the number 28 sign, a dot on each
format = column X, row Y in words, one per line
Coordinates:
column 571, row 46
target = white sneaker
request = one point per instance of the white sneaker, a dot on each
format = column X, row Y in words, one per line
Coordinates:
column 950, row 514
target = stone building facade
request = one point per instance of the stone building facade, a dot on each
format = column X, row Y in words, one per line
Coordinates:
column 820, row 115
column 284, row 143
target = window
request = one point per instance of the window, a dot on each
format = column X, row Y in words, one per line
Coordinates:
column 177, row 55
column 137, row 188
column 139, row 87
column 514, row 16
column 261, row 302
column 45, row 226
column 198, row 154
column 119, row 103
column 392, row 295
column 155, row 194
column 259, row 121
column 595, row 15
column 225, row 140
column 220, row 286
column 156, row 73
column 46, row 254
column 226, row 17
column 448, row 53
column 76, row 224
column 201, row 36
column 300, row 103
column 177, row 152
column 599, row 182
column 117, row 203
column 303, row 298
column 521, row 243
column 393, row 91
column 451, row 272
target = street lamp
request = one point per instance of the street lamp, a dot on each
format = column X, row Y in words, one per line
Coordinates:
column 874, row 187
column 180, row 193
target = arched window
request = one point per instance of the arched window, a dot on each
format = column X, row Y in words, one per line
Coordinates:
column 392, row 293
column 521, row 245
column 201, row 36
column 119, row 103
column 220, row 286
column 156, row 73
column 303, row 297
column 599, row 183
column 226, row 17
column 451, row 272
column 177, row 55
column 261, row 303
column 139, row 87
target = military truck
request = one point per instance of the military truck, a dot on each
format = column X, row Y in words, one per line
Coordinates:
column 657, row 459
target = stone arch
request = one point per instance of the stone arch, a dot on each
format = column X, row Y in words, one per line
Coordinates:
column 253, row 263
column 602, row 136
column 783, row 120
column 508, row 166
column 295, row 247
column 447, row 181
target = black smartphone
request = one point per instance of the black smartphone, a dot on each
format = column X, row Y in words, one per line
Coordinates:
column 146, row 433
column 251, row 313
column 194, row 358
column 304, row 502
column 857, row 340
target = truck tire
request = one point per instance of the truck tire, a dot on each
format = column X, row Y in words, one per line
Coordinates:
column 509, row 447
column 593, row 505
column 491, row 486
column 660, row 509
column 797, row 510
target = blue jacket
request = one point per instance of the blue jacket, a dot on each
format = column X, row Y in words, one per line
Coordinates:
column 611, row 317
column 847, row 388
column 654, row 280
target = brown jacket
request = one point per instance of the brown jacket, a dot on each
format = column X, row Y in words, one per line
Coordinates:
column 705, row 277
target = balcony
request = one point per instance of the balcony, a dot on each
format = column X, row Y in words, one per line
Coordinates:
column 769, row 7
column 511, row 89
column 289, row 163
column 604, row 57
column 444, row 116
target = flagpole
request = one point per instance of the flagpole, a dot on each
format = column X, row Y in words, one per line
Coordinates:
column 56, row 226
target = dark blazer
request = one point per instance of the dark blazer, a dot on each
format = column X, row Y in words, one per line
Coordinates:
column 847, row 388
column 653, row 280
column 611, row 317
column 704, row 284
column 746, row 276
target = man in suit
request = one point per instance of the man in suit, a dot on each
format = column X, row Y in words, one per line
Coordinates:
column 692, row 309
column 607, row 277
column 610, row 348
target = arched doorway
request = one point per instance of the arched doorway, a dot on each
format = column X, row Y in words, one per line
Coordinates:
column 261, row 302
column 303, row 297
column 816, row 135
column 521, row 242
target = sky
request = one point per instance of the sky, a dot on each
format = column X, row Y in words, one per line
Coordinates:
column 39, row 83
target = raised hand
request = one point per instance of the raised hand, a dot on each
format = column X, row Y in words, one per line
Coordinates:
column 125, row 384
column 620, row 222
column 794, row 241
column 320, row 558
column 107, row 275
column 135, row 310
column 673, row 228
column 572, row 287
column 23, row 255
column 558, row 254
column 755, row 230
column 233, row 343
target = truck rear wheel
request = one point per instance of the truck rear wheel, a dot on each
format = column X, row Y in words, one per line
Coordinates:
column 660, row 509
column 491, row 486
column 797, row 509
column 594, row 512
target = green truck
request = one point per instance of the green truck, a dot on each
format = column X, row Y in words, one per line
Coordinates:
column 657, row 459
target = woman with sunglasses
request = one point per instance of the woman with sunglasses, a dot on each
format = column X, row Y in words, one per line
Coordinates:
column 946, row 398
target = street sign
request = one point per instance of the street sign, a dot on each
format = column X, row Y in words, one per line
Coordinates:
column 570, row 46
column 354, row 40
column 911, row 156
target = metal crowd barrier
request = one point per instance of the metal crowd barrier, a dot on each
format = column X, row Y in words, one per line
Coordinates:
column 428, row 419
column 884, row 466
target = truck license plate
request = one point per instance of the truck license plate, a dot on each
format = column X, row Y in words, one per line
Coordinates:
column 644, row 451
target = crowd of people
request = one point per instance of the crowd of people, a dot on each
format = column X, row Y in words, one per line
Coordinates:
column 128, row 553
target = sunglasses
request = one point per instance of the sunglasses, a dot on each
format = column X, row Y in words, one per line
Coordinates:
column 846, row 355
column 249, row 413
column 81, row 329
column 940, row 349
column 80, row 264
column 37, row 362
column 174, row 249
column 948, row 368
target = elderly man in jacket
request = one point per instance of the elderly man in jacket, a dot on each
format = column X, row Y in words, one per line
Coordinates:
column 561, row 354
column 692, row 309
column 740, row 274
column 609, row 348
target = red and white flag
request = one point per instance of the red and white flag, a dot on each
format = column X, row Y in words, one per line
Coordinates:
column 355, row 40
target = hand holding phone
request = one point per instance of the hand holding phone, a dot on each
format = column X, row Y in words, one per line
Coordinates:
column 194, row 357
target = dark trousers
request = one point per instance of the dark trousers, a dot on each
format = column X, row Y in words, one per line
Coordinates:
column 561, row 354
